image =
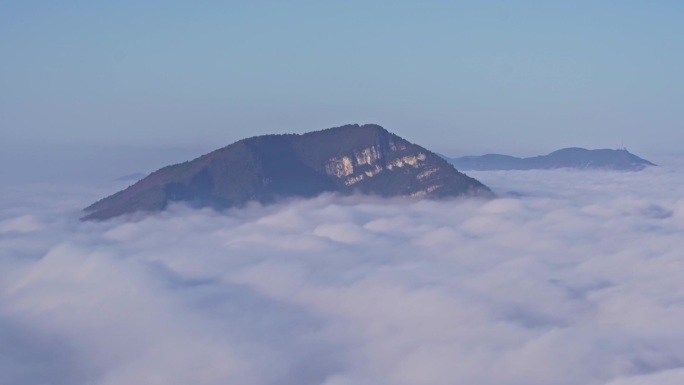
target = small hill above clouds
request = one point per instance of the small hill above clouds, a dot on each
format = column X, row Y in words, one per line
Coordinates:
column 364, row 159
column 131, row 177
column 577, row 158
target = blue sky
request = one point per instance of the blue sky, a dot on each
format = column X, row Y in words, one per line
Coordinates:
column 523, row 77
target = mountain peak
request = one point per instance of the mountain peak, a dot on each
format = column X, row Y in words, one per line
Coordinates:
column 348, row 159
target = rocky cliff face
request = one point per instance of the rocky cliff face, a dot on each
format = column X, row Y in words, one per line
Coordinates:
column 363, row 159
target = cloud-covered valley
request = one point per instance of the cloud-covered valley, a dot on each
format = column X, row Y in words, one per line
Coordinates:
column 567, row 278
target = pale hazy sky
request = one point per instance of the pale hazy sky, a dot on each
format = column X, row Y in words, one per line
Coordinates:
column 523, row 77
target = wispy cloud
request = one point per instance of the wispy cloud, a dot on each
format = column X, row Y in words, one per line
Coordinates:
column 568, row 278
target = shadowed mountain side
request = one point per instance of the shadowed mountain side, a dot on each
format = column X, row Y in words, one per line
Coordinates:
column 578, row 158
column 365, row 159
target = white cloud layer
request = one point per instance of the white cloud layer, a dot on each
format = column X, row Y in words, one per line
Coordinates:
column 568, row 278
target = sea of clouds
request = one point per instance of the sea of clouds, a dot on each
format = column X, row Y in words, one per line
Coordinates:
column 568, row 278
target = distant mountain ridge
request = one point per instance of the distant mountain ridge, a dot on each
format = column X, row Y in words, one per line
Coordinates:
column 574, row 157
column 365, row 159
column 131, row 177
